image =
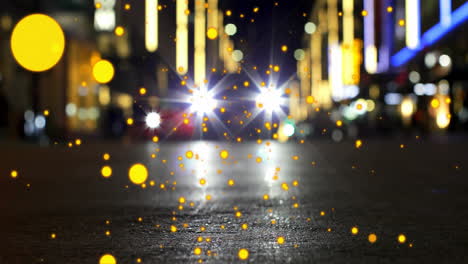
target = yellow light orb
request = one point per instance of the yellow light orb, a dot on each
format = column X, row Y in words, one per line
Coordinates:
column 119, row 31
column 231, row 182
column 212, row 33
column 189, row 154
column 310, row 99
column 107, row 259
column 224, row 154
column 14, row 174
column 435, row 103
column 181, row 199
column 354, row 230
column 401, row 238
column 358, row 143
column 280, row 240
column 37, row 42
column 103, row 71
column 106, row 171
column 243, row 254
column 197, row 251
column 138, row 173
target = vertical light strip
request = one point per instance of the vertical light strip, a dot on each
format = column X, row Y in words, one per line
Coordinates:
column 200, row 43
column 213, row 14
column 413, row 25
column 335, row 67
column 182, row 37
column 151, row 25
column 222, row 37
column 445, row 12
column 348, row 21
column 334, row 50
column 332, row 23
column 348, row 40
column 370, row 51
column 316, row 62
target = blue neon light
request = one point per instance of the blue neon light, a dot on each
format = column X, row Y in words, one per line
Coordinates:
column 445, row 11
column 431, row 36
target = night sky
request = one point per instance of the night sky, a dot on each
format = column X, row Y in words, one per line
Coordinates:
column 276, row 23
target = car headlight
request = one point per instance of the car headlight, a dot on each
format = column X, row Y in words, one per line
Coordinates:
column 202, row 102
column 153, row 120
column 269, row 100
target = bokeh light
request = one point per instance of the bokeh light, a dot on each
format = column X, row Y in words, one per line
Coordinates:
column 37, row 42
column 103, row 71
column 230, row 29
column 107, row 259
column 212, row 33
column 138, row 173
column 243, row 254
column 106, row 171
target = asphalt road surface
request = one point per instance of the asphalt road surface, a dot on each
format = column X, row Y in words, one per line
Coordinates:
column 59, row 207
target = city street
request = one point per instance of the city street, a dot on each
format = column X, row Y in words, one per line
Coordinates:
column 195, row 202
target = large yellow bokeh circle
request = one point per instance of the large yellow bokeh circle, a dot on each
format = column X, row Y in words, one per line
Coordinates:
column 103, row 71
column 138, row 173
column 107, row 259
column 37, row 42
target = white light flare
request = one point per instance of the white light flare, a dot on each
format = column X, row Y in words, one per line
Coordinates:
column 269, row 99
column 202, row 102
column 153, row 120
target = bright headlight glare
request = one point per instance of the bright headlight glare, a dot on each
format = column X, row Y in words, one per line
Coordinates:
column 202, row 102
column 269, row 99
column 153, row 120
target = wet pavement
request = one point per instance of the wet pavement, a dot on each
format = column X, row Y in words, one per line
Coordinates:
column 316, row 192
